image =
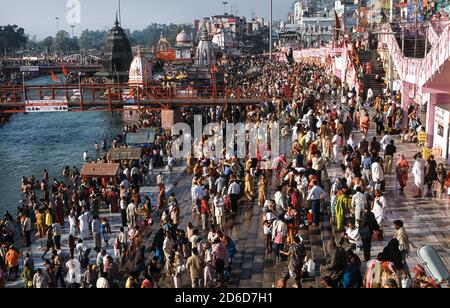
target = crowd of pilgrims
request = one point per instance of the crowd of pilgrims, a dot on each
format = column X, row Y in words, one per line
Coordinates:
column 288, row 188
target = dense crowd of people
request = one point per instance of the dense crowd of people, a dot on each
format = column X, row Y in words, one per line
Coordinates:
column 289, row 189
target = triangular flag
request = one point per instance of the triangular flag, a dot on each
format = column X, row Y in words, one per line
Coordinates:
column 54, row 76
column 65, row 72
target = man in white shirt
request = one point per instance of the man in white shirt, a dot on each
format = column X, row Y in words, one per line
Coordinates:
column 233, row 191
column 352, row 235
column 196, row 194
column 336, row 141
column 357, row 207
column 26, row 228
column 123, row 211
column 385, row 140
column 377, row 174
column 351, row 142
column 280, row 200
column 218, row 209
column 316, row 194
column 379, row 208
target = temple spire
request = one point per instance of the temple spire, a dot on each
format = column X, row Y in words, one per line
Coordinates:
column 117, row 20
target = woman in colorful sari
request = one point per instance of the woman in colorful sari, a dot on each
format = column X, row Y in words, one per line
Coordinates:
column 365, row 124
column 402, row 171
column 389, row 273
column 343, row 203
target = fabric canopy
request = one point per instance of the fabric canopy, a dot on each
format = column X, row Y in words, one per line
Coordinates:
column 99, row 170
column 125, row 154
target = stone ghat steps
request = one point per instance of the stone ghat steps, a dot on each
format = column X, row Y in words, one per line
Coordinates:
column 369, row 79
column 252, row 268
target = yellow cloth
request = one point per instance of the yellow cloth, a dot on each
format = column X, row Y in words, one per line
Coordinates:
column 48, row 220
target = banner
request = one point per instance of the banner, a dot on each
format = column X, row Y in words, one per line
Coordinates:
column 29, row 68
column 46, row 106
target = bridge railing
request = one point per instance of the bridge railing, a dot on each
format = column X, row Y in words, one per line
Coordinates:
column 418, row 71
column 113, row 95
column 436, row 57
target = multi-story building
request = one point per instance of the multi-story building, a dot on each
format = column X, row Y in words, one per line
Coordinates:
column 311, row 22
column 234, row 32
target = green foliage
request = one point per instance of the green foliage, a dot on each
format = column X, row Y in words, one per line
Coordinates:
column 12, row 37
column 92, row 39
column 63, row 42
column 151, row 34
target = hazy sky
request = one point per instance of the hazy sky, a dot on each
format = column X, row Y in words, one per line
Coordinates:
column 38, row 16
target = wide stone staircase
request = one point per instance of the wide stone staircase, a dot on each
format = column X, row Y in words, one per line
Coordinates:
column 411, row 48
column 369, row 80
column 253, row 269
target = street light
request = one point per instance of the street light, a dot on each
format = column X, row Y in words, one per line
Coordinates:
column 79, row 90
column 57, row 24
column 270, row 29
column 225, row 7
column 23, row 86
column 73, row 30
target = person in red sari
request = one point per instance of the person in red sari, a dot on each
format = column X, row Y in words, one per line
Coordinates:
column 365, row 124
column 112, row 197
column 402, row 171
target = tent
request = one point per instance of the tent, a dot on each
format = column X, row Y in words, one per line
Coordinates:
column 103, row 171
column 142, row 138
column 125, row 154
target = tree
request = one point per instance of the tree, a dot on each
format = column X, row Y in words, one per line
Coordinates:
column 92, row 39
column 61, row 41
column 48, row 43
column 12, row 37
column 150, row 35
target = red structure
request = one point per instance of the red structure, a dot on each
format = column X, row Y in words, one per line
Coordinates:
column 94, row 97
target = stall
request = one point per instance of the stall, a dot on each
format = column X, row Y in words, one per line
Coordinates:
column 145, row 137
column 124, row 154
column 103, row 171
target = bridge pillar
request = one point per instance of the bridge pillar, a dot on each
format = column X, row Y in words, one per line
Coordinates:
column 169, row 117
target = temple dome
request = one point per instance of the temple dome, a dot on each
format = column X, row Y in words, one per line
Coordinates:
column 184, row 39
column 140, row 70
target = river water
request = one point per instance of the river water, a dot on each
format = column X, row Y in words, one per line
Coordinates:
column 30, row 143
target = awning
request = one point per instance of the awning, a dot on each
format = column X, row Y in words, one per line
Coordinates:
column 143, row 137
column 125, row 154
column 99, row 170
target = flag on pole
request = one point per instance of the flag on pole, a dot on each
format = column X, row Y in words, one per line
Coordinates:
column 54, row 76
column 65, row 71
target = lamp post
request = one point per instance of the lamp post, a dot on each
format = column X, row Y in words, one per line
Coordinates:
column 270, row 30
column 23, row 87
column 73, row 33
column 81, row 92
column 225, row 7
column 57, row 24
column 391, row 62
